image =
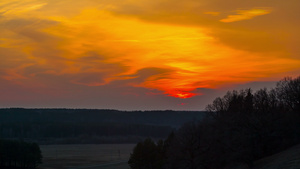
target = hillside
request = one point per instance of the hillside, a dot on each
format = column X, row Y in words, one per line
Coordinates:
column 288, row 159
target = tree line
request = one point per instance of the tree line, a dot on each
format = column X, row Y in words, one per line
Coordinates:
column 240, row 128
column 19, row 155
column 82, row 126
column 81, row 133
column 154, row 117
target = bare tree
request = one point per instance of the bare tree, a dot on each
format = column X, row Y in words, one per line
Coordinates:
column 288, row 91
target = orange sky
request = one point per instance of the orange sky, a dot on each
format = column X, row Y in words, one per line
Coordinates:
column 167, row 47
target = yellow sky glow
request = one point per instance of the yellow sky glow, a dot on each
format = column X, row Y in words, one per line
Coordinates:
column 246, row 15
column 97, row 46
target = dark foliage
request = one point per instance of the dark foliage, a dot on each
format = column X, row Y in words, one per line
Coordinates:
column 97, row 116
column 19, row 155
column 241, row 127
column 150, row 155
column 68, row 126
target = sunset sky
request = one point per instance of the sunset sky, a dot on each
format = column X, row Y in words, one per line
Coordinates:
column 142, row 54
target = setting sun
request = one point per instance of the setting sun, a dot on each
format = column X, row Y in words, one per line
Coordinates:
column 125, row 44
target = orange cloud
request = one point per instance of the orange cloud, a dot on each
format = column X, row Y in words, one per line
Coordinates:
column 17, row 8
column 95, row 46
column 246, row 15
column 212, row 13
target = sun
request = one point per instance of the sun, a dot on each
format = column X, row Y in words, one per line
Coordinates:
column 181, row 94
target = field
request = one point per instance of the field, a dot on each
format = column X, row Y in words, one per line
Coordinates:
column 86, row 156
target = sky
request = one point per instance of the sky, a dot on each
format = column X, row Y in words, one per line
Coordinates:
column 143, row 54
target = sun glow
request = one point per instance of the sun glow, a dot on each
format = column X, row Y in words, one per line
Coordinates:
column 97, row 46
column 181, row 94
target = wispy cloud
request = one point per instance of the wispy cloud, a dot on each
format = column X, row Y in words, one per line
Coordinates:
column 18, row 7
column 246, row 14
column 94, row 44
column 212, row 13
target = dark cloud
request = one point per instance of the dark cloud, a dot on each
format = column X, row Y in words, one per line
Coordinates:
column 10, row 58
column 143, row 74
column 92, row 56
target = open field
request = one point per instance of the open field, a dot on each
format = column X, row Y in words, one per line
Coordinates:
column 86, row 156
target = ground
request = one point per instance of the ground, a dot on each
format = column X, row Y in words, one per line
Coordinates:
column 288, row 159
column 89, row 156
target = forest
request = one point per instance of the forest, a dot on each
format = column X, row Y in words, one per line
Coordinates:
column 86, row 126
column 238, row 129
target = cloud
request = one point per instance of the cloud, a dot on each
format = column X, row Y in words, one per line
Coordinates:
column 164, row 48
column 246, row 14
column 97, row 53
column 212, row 13
column 18, row 8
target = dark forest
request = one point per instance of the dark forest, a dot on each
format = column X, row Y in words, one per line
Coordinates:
column 239, row 128
column 82, row 126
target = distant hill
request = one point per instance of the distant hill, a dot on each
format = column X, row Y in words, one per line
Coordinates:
column 158, row 117
column 51, row 126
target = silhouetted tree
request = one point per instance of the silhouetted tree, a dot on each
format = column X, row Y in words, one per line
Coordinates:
column 19, row 155
column 188, row 147
column 288, row 91
column 146, row 155
column 240, row 127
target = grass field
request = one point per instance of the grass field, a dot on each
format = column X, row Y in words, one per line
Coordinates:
column 86, row 156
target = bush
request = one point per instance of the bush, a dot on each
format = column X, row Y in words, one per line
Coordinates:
column 19, row 155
